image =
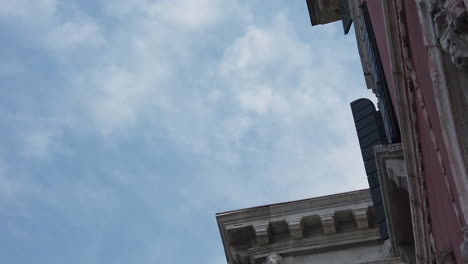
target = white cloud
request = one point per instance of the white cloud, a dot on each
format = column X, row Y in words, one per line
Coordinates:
column 215, row 95
column 191, row 14
column 267, row 68
column 185, row 14
column 255, row 52
column 118, row 95
column 250, row 53
column 139, row 71
column 262, row 99
column 27, row 10
column 236, row 127
column 277, row 78
column 75, row 35
column 40, row 143
column 135, row 67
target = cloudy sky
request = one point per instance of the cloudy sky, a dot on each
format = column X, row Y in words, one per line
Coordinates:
column 126, row 125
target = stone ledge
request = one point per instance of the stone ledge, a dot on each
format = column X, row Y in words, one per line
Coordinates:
column 318, row 244
column 323, row 11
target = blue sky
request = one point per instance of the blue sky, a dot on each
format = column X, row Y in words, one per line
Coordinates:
column 126, row 125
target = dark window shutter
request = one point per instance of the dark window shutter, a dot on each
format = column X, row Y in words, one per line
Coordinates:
column 371, row 132
column 345, row 15
column 380, row 84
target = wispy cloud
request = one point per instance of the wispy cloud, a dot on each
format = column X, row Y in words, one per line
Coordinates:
column 138, row 71
column 195, row 15
column 74, row 35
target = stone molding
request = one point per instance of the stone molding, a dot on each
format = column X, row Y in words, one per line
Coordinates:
column 295, row 228
column 261, row 232
column 317, row 244
column 328, row 224
column 361, row 219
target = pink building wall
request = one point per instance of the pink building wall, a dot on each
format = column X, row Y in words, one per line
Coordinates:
column 440, row 189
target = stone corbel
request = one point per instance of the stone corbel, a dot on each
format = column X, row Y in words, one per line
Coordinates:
column 261, row 232
column 361, row 218
column 328, row 224
column 451, row 27
column 295, row 228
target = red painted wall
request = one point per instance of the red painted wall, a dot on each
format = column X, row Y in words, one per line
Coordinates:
column 446, row 229
column 440, row 189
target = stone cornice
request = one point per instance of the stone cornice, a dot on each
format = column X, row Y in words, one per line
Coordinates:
column 298, row 227
column 305, row 205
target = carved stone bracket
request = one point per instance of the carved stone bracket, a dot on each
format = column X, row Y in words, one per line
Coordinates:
column 261, row 232
column 361, row 218
column 328, row 224
column 451, row 27
column 295, row 228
